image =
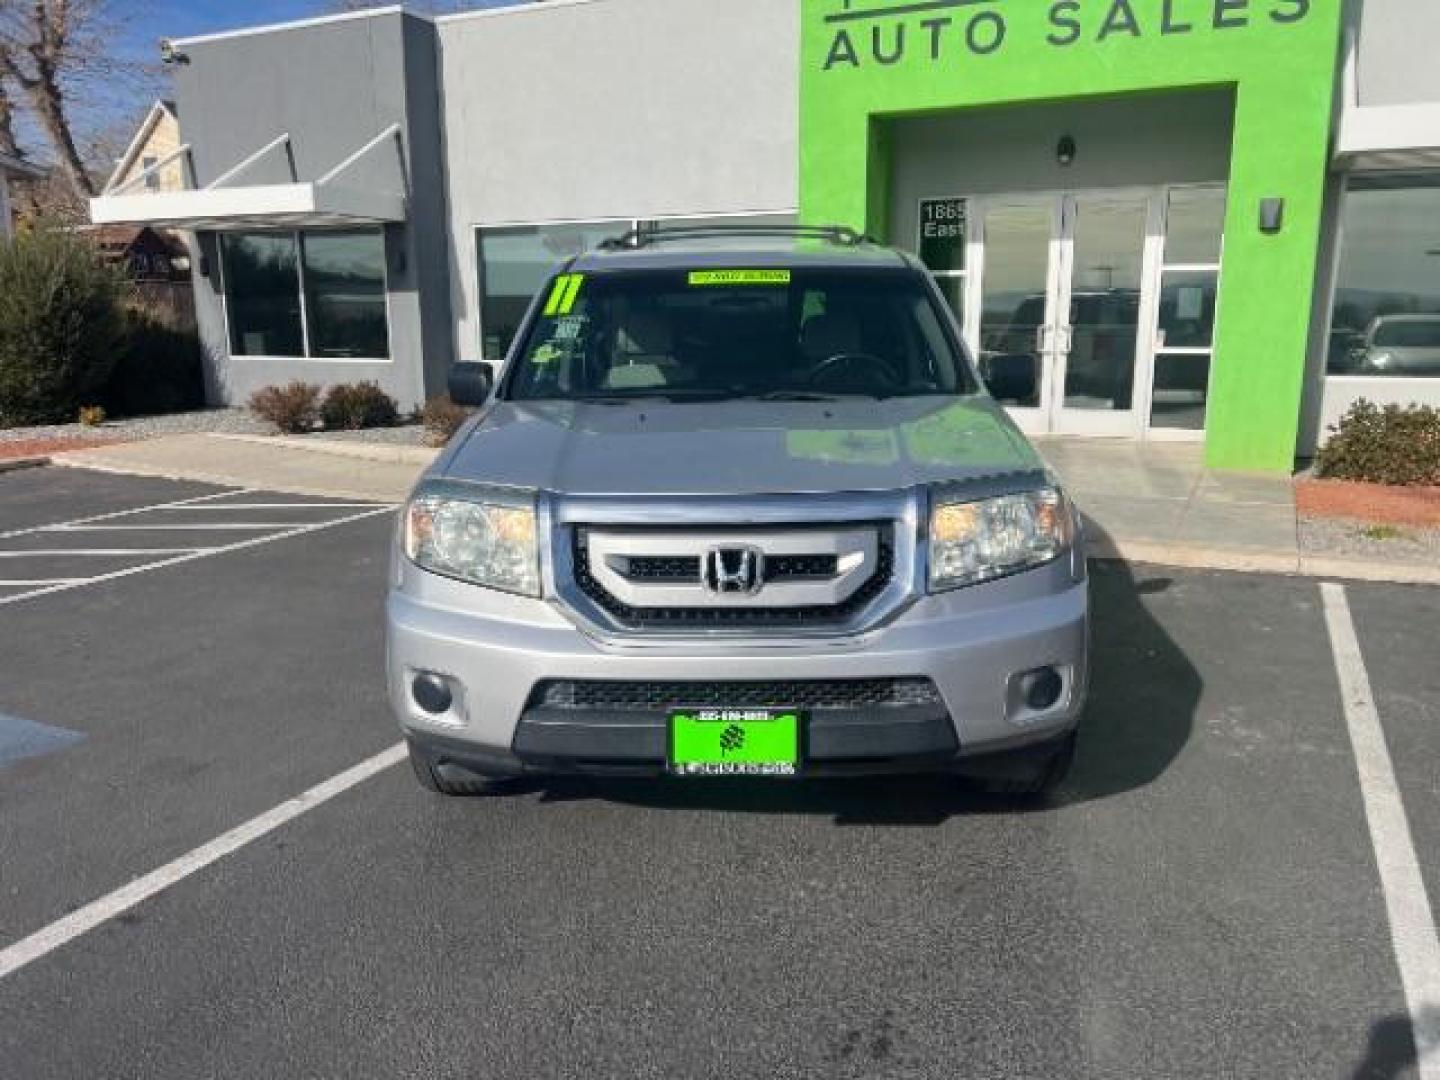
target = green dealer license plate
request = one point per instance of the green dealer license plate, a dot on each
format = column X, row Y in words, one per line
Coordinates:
column 734, row 742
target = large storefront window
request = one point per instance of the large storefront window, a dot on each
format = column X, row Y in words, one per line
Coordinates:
column 515, row 260
column 315, row 294
column 262, row 294
column 345, row 294
column 1386, row 321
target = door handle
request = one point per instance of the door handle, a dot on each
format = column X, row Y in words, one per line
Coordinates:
column 1065, row 342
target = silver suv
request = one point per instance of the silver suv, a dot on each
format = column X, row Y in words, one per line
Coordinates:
column 737, row 504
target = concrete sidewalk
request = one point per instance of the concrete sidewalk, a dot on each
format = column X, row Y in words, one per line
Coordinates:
column 1146, row 503
column 349, row 470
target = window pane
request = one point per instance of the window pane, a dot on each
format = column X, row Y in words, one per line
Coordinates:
column 515, row 262
column 1181, row 391
column 1387, row 297
column 262, row 294
column 1187, row 309
column 1017, row 274
column 944, row 226
column 345, row 293
column 1195, row 224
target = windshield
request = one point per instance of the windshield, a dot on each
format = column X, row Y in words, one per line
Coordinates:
column 718, row 334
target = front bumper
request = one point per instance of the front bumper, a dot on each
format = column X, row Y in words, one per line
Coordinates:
column 495, row 650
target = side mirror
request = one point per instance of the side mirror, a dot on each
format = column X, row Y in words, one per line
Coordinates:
column 470, row 384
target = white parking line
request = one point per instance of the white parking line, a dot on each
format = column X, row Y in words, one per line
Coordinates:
column 128, row 513
column 93, row 914
column 92, row 553
column 1412, row 922
column 160, row 526
column 21, row 582
column 198, row 553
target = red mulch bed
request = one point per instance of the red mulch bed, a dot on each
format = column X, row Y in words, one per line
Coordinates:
column 1417, row 506
column 23, row 448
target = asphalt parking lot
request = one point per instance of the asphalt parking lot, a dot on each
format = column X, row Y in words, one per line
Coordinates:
column 1203, row 900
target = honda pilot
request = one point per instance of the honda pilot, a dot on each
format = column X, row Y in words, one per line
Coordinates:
column 737, row 504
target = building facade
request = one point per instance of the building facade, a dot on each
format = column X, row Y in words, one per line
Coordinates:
column 1209, row 220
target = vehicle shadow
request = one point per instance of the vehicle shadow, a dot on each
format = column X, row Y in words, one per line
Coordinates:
column 1143, row 694
column 1390, row 1050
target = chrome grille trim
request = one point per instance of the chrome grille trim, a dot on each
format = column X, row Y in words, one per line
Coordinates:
column 899, row 514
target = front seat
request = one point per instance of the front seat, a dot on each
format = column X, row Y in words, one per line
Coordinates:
column 644, row 354
column 830, row 334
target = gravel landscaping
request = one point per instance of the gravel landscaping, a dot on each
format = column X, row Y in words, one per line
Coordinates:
column 60, row 437
column 1376, row 542
column 229, row 421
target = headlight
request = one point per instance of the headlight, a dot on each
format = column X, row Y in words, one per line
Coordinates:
column 976, row 541
column 488, row 543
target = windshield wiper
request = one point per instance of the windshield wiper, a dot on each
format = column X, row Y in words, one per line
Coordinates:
column 808, row 395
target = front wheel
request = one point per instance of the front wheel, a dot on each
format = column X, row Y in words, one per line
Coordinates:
column 1029, row 772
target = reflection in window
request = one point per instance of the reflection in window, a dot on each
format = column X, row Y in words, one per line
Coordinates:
column 262, row 294
column 514, row 263
column 345, row 294
column 1182, row 391
column 1187, row 308
column 1194, row 225
column 1387, row 297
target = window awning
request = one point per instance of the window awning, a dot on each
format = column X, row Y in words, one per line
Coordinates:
column 223, row 204
column 266, row 206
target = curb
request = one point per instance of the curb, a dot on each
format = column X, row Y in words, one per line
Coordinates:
column 1260, row 561
column 16, row 464
column 78, row 460
column 391, row 455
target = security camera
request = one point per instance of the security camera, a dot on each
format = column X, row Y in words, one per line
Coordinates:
column 169, row 54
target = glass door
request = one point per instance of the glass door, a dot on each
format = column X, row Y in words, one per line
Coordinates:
column 1016, row 341
column 1104, row 251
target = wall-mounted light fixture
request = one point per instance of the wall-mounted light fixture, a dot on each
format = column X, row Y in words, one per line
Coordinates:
column 1272, row 215
column 1065, row 151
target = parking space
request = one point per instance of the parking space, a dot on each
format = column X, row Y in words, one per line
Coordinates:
column 1202, row 900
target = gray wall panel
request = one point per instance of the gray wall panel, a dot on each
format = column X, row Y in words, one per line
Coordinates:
column 1398, row 44
column 604, row 109
column 333, row 87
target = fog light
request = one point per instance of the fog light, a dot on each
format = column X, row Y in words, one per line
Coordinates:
column 432, row 693
column 1041, row 688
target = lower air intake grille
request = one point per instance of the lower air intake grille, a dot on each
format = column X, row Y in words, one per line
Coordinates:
column 799, row 694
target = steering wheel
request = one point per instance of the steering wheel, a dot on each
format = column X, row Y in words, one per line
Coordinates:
column 875, row 365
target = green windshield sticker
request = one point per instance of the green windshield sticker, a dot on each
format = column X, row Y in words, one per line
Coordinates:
column 739, row 277
column 564, row 294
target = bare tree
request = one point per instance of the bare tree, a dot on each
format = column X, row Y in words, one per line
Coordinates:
column 8, row 145
column 45, row 46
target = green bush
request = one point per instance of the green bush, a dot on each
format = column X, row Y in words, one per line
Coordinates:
column 352, row 406
column 1393, row 445
column 293, row 409
column 59, row 322
column 442, row 419
column 158, row 368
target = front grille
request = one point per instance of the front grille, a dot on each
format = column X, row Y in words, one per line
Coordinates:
column 815, row 694
column 659, row 568
column 759, row 617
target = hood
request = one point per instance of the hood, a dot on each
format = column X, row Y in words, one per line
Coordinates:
column 739, row 447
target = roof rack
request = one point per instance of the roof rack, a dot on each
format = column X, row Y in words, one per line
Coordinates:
column 656, row 234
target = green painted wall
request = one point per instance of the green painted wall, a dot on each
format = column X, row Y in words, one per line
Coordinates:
column 1280, row 55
